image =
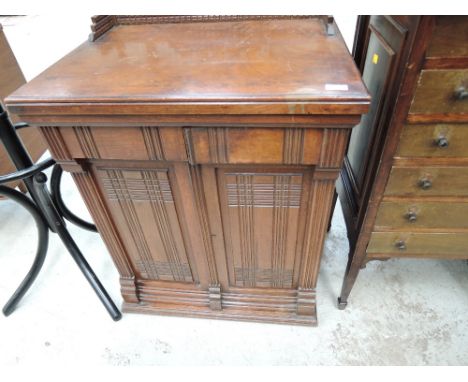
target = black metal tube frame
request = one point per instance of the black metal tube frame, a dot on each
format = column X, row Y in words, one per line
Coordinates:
column 48, row 210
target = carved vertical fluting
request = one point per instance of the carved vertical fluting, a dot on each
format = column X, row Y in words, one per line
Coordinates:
column 161, row 217
column 56, row 143
column 86, row 141
column 217, row 144
column 245, row 201
column 153, row 143
column 333, row 147
column 281, row 206
column 319, row 205
column 214, row 287
column 293, row 148
column 90, row 193
column 154, row 188
column 133, row 224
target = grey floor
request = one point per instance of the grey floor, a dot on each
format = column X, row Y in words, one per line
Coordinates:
column 401, row 312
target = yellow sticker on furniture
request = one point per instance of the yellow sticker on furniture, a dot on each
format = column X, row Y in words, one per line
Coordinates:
column 375, row 58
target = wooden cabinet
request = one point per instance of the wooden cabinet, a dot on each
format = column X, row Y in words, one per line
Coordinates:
column 207, row 154
column 413, row 202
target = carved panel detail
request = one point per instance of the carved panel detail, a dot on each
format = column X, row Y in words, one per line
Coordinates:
column 244, row 192
column 160, row 252
column 321, row 196
column 204, row 223
column 293, row 149
column 86, row 140
column 104, row 223
column 263, row 215
column 217, row 144
column 333, row 147
column 150, row 186
column 234, row 145
column 276, row 277
column 56, row 143
column 130, row 19
column 164, row 270
column 248, row 249
column 153, row 143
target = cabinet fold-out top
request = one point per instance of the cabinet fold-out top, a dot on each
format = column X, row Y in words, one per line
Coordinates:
column 277, row 66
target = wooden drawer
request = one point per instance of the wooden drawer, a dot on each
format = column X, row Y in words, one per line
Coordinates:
column 436, row 92
column 450, row 37
column 427, row 181
column 416, row 215
column 437, row 245
column 435, row 140
column 117, row 142
column 220, row 145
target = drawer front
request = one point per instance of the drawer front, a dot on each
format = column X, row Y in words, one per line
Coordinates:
column 431, row 215
column 428, row 181
column 450, row 245
column 437, row 140
column 219, row 145
column 449, row 38
column 441, row 91
column 117, row 142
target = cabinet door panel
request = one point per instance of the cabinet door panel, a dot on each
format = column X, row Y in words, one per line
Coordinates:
column 261, row 213
column 143, row 202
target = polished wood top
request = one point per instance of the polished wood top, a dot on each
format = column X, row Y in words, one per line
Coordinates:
column 280, row 66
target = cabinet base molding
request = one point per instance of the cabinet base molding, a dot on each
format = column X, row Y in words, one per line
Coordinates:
column 240, row 305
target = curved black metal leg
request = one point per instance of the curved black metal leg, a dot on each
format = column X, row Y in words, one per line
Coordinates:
column 89, row 273
column 55, row 181
column 47, row 213
column 45, row 200
column 42, row 246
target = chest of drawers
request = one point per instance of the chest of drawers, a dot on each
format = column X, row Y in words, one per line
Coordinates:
column 206, row 150
column 408, row 197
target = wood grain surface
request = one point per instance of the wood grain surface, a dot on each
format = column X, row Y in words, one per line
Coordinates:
column 290, row 65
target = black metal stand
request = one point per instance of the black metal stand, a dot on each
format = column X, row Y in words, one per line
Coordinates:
column 47, row 209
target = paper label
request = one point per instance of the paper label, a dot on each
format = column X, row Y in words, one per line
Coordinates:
column 375, row 58
column 342, row 87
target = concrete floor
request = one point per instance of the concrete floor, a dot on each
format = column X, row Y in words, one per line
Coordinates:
column 401, row 312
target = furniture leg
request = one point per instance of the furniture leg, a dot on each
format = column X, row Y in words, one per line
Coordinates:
column 355, row 260
column 45, row 200
column 22, row 188
column 56, row 195
column 42, row 246
column 45, row 212
column 332, row 210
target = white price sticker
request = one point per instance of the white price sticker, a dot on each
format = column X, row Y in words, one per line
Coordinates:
column 342, row 87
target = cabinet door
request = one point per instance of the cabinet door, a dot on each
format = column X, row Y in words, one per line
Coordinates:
column 262, row 215
column 146, row 201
